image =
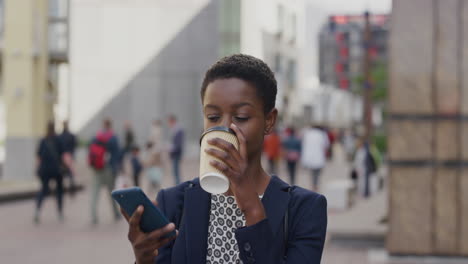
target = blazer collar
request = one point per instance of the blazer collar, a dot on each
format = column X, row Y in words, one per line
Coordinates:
column 275, row 201
column 197, row 209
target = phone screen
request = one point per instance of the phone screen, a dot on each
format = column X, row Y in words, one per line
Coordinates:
column 130, row 198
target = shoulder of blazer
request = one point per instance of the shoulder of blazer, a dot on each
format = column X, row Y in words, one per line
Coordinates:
column 174, row 199
column 303, row 198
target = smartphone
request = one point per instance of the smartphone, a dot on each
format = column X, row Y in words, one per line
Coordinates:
column 130, row 198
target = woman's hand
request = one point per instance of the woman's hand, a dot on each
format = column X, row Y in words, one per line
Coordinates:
column 145, row 245
column 235, row 166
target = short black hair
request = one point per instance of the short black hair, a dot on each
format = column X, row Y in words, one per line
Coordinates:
column 249, row 69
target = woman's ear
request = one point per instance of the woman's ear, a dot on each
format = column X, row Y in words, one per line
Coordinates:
column 270, row 121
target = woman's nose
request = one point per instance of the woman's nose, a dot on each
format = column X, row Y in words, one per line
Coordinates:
column 226, row 122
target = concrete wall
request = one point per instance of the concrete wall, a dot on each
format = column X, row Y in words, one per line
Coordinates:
column 428, row 127
column 140, row 60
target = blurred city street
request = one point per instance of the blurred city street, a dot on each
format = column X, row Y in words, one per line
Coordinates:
column 77, row 241
column 109, row 91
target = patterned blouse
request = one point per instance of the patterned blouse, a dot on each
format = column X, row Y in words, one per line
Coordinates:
column 225, row 219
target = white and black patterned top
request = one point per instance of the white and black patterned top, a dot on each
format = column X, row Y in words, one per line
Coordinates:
column 225, row 218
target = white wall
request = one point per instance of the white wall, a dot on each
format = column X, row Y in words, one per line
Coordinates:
column 337, row 107
column 261, row 16
column 258, row 16
column 111, row 41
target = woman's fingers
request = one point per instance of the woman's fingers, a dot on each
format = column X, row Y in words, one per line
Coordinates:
column 134, row 222
column 227, row 147
column 166, row 240
column 224, row 168
column 125, row 215
column 242, row 141
column 225, row 157
column 146, row 245
column 158, row 234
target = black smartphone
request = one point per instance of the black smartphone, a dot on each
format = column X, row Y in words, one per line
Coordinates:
column 130, row 198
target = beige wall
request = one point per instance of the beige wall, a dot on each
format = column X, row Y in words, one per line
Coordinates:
column 25, row 63
column 25, row 74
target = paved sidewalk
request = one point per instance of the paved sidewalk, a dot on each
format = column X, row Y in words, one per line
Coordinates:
column 76, row 241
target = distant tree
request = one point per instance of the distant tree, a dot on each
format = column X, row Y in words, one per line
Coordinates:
column 379, row 81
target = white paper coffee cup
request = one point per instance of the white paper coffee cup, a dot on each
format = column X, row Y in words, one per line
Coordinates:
column 213, row 180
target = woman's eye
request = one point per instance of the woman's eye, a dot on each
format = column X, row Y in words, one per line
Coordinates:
column 241, row 118
column 213, row 118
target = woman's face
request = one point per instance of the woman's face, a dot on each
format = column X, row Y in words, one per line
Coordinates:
column 235, row 101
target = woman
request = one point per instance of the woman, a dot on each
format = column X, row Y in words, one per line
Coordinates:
column 261, row 219
column 50, row 167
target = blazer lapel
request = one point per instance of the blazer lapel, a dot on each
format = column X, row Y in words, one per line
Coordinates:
column 197, row 210
column 275, row 201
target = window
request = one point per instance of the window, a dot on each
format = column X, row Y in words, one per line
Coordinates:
column 278, row 63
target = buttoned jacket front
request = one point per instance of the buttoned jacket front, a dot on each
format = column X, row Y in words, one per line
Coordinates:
column 188, row 206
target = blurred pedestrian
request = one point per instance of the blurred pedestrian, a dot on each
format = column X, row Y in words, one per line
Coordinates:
column 177, row 145
column 129, row 137
column 104, row 160
column 137, row 167
column 50, row 167
column 156, row 133
column 349, row 144
column 128, row 144
column 153, row 166
column 292, row 153
column 364, row 166
column 69, row 142
column 272, row 149
column 315, row 144
column 331, row 139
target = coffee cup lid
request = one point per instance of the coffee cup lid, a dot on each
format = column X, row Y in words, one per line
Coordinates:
column 217, row 128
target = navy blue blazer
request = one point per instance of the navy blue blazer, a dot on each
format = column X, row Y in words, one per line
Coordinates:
column 262, row 243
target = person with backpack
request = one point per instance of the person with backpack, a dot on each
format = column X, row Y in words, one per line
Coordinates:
column 103, row 158
column 50, row 167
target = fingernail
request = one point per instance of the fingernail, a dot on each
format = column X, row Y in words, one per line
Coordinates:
column 171, row 225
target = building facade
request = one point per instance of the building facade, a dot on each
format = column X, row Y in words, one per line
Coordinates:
column 341, row 48
column 34, row 45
